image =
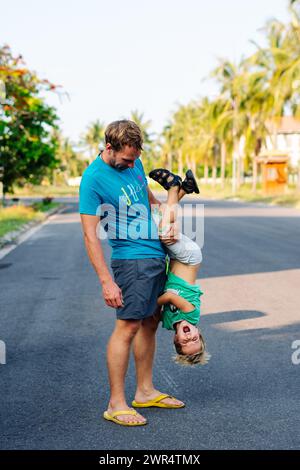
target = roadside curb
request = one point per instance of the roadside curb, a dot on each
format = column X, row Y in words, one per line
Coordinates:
column 12, row 239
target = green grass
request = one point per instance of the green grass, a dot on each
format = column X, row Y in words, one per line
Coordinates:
column 43, row 191
column 290, row 199
column 44, row 207
column 12, row 218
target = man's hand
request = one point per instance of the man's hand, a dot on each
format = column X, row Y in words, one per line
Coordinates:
column 112, row 294
column 170, row 236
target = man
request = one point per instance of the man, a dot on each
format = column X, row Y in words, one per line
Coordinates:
column 112, row 187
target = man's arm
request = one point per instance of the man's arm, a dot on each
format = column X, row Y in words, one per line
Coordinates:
column 112, row 294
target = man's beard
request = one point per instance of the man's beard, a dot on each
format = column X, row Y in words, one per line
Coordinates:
column 119, row 166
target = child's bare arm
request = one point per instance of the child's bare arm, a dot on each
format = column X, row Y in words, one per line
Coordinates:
column 163, row 299
column 179, row 302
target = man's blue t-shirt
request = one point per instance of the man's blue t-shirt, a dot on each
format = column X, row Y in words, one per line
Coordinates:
column 120, row 198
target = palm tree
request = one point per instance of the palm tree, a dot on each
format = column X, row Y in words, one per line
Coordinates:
column 149, row 152
column 71, row 162
column 138, row 118
column 279, row 61
column 249, row 104
column 93, row 138
column 231, row 79
column 217, row 115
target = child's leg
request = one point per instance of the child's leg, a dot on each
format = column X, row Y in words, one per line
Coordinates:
column 181, row 193
column 168, row 209
column 185, row 251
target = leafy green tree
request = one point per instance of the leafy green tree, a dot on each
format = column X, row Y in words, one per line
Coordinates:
column 27, row 143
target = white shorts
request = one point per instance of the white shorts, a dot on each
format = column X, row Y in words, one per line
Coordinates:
column 185, row 250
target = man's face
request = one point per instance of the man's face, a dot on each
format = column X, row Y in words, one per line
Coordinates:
column 187, row 335
column 124, row 158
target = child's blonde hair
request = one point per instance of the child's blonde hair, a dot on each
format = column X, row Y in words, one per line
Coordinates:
column 200, row 358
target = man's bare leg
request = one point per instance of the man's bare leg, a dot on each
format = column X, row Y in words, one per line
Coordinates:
column 144, row 352
column 118, row 351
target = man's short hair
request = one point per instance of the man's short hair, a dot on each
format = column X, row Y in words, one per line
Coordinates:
column 124, row 132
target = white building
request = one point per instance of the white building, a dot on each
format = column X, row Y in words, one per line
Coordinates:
column 285, row 139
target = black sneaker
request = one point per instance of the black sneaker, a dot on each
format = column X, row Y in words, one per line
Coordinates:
column 189, row 184
column 165, row 178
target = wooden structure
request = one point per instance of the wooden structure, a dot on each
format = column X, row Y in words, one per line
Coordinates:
column 274, row 172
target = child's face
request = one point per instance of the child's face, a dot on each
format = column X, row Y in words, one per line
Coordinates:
column 187, row 335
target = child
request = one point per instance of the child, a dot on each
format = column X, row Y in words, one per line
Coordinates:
column 181, row 297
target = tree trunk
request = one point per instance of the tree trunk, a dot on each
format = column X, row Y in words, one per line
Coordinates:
column 214, row 174
column 214, row 168
column 254, row 177
column 243, row 169
column 241, row 161
column 180, row 163
column 2, row 194
column 257, row 150
column 170, row 161
column 235, row 167
column 188, row 161
column 223, row 163
column 238, row 171
column 193, row 167
column 205, row 172
column 165, row 160
column 66, row 177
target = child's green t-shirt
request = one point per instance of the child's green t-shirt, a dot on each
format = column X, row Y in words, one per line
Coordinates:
column 190, row 292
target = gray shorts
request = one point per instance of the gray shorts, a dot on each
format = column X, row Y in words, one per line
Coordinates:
column 142, row 281
column 185, row 250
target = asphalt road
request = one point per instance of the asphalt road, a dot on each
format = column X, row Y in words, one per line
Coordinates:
column 54, row 386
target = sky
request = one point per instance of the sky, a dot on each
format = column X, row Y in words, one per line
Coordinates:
column 114, row 56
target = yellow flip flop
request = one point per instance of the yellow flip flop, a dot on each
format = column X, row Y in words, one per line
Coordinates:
column 112, row 417
column 156, row 402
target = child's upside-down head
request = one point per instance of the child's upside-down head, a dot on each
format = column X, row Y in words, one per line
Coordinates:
column 189, row 344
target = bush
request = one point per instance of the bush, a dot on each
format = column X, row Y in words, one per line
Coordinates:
column 47, row 200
